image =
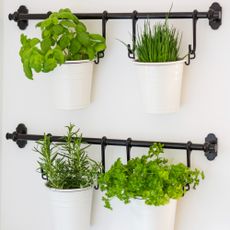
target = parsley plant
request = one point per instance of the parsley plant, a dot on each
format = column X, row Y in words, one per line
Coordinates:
column 149, row 177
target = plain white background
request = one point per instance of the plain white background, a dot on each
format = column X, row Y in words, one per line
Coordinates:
column 116, row 113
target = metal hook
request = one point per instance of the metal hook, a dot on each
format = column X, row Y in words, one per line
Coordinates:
column 103, row 145
column 96, row 61
column 96, row 187
column 192, row 49
column 43, row 175
column 131, row 51
column 128, row 148
column 188, row 151
column 104, row 21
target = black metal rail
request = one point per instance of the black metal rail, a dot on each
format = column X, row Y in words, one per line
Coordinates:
column 209, row 147
column 214, row 15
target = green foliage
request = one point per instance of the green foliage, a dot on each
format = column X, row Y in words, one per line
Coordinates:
column 63, row 37
column 159, row 43
column 149, row 177
column 67, row 165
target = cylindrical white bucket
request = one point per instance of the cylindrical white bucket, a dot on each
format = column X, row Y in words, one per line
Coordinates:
column 72, row 85
column 160, row 85
column 148, row 217
column 142, row 216
column 71, row 208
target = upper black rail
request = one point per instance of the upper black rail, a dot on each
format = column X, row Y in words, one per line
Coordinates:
column 209, row 147
column 17, row 16
column 214, row 15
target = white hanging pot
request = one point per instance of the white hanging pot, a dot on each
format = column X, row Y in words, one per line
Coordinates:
column 149, row 217
column 160, row 85
column 71, row 208
column 142, row 216
column 72, row 85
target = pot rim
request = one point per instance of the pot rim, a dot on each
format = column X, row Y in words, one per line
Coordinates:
column 78, row 61
column 158, row 63
column 69, row 190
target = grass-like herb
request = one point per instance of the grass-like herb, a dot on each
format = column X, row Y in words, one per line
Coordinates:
column 67, row 165
column 160, row 43
column 150, row 178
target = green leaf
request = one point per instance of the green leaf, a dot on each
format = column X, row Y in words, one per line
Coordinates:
column 97, row 38
column 49, row 65
column 100, row 47
column 23, row 39
column 68, row 24
column 75, row 46
column 59, row 56
column 43, row 24
column 83, row 38
column 36, row 62
column 46, row 33
column 80, row 27
column 46, row 44
column 91, row 53
column 64, row 41
column 57, row 29
column 27, row 70
column 34, row 41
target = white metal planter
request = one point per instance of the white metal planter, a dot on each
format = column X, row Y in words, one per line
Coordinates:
column 71, row 208
column 72, row 85
column 148, row 217
column 160, row 85
column 142, row 216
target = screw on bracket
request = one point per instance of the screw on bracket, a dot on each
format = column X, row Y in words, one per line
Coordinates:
column 210, row 146
column 22, row 24
column 215, row 15
column 21, row 129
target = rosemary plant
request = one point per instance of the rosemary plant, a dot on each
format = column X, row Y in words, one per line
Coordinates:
column 66, row 165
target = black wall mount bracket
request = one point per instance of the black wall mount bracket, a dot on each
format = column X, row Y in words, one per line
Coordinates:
column 209, row 147
column 214, row 16
column 21, row 129
column 215, row 9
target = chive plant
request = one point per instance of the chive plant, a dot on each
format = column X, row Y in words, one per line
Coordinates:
column 160, row 43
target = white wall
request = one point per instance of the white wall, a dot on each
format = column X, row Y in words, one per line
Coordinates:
column 116, row 113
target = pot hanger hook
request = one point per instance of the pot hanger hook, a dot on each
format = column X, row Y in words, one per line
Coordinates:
column 192, row 48
column 188, row 151
column 131, row 51
column 43, row 175
column 103, row 145
column 128, row 148
column 104, row 21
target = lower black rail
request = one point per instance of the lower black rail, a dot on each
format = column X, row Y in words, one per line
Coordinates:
column 209, row 147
